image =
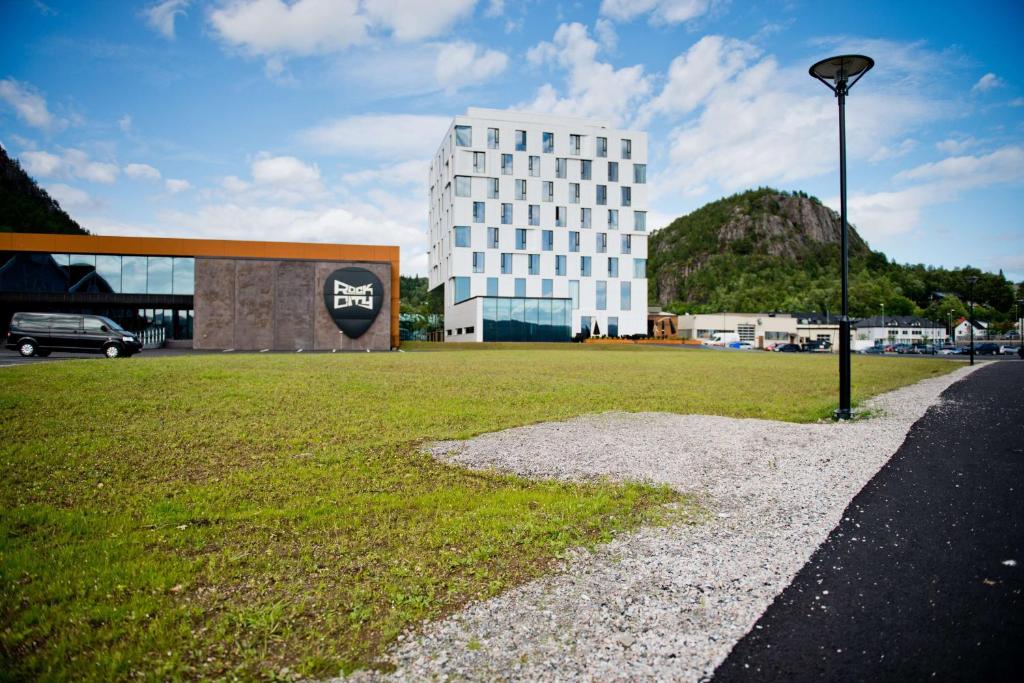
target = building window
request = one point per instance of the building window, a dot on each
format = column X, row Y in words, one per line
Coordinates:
column 640, row 268
column 463, row 186
column 463, row 136
column 613, row 219
column 574, row 193
column 586, row 323
column 479, row 212
column 547, row 191
column 627, row 195
column 561, row 170
column 560, row 212
column 493, row 236
column 586, row 169
column 547, row 242
column 640, row 221
column 493, row 138
column 613, row 171
column 534, row 264
column 547, row 288
column 533, row 214
column 602, row 242
column 520, row 140
column 549, row 143
column 627, row 244
column 574, row 294
column 602, row 295
column 534, row 165
column 639, row 173
column 506, row 164
column 479, row 162
column 627, row 148
column 746, row 332
column 462, row 236
column 584, row 266
column 574, row 145
column 585, row 218
column 492, row 286
column 602, row 195
column 574, row 241
column 492, row 188
column 506, row 214
column 506, row 264
column 520, row 287
column 602, row 147
column 520, row 238
column 471, row 329
column 560, row 264
column 520, row 189
column 626, row 295
column 613, row 266
column 461, row 289
column 478, row 261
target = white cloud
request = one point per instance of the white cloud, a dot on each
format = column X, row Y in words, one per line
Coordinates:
column 1017, row 102
column 177, row 185
column 125, row 123
column 606, row 35
column 161, row 16
column 29, row 105
column 306, row 27
column 141, row 172
column 987, row 82
column 284, row 171
column 661, row 11
column 411, row 20
column 953, row 146
column 1004, row 165
column 495, row 8
column 593, row 88
column 895, row 151
column 463, row 64
column 72, row 163
column 70, row 198
column 234, row 184
column 395, row 136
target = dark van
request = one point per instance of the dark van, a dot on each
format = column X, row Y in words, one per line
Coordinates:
column 38, row 334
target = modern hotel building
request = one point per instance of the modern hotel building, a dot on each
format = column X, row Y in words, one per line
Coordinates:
column 538, row 227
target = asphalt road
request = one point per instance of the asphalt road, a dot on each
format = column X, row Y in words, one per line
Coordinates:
column 924, row 577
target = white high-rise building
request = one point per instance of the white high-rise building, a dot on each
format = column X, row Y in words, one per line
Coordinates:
column 538, row 227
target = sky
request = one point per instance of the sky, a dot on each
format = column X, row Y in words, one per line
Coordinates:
column 315, row 120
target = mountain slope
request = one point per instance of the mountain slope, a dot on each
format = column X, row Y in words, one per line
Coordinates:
column 26, row 207
column 767, row 250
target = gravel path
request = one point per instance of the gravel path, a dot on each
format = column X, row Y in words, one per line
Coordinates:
column 665, row 603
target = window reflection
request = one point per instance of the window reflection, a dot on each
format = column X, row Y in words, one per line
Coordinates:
column 184, row 275
column 526, row 319
column 109, row 268
column 133, row 274
column 158, row 274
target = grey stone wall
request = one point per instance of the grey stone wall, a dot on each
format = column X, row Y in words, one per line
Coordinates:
column 254, row 304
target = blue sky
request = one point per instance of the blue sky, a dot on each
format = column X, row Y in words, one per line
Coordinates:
column 315, row 119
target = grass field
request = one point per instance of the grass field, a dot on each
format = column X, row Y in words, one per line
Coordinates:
column 231, row 515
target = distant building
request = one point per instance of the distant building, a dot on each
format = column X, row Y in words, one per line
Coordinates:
column 963, row 329
column 660, row 324
column 538, row 227
column 760, row 329
column 897, row 329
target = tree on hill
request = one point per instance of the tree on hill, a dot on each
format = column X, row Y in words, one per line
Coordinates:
column 26, row 207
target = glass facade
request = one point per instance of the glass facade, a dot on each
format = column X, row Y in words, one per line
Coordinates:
column 523, row 319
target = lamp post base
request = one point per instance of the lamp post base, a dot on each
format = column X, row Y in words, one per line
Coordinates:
column 843, row 414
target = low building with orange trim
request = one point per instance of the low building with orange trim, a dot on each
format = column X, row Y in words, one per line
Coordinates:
column 211, row 294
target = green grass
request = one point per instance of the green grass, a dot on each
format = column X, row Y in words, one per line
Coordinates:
column 231, row 515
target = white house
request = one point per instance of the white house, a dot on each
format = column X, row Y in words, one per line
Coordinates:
column 538, row 227
column 963, row 329
column 897, row 329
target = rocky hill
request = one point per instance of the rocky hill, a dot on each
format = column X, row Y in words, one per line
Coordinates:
column 26, row 207
column 768, row 250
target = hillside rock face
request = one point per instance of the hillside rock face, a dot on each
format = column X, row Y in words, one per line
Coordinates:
column 755, row 224
column 26, row 207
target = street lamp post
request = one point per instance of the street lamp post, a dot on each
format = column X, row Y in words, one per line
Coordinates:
column 836, row 73
column 885, row 332
column 970, row 296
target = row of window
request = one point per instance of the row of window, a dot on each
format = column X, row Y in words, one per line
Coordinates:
column 464, row 188
column 561, row 168
column 463, row 238
column 526, row 319
column 561, row 216
column 461, row 291
column 464, row 138
column 98, row 273
column 533, row 265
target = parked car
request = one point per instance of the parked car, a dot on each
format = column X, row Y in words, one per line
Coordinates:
column 741, row 345
column 923, row 349
column 948, row 350
column 986, row 349
column 903, row 348
column 788, row 348
column 39, row 334
column 815, row 345
column 1008, row 350
column 874, row 350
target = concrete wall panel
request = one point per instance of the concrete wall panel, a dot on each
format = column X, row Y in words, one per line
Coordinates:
column 254, row 305
column 294, row 305
column 214, row 304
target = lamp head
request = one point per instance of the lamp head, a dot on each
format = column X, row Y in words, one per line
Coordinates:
column 840, row 73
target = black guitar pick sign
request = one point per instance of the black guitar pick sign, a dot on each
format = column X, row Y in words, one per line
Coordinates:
column 353, row 297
